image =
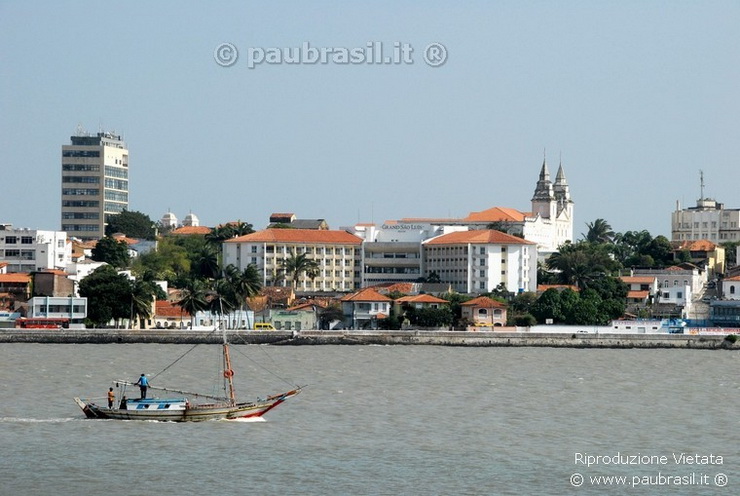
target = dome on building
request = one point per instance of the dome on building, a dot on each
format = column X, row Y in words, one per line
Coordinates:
column 191, row 220
column 169, row 220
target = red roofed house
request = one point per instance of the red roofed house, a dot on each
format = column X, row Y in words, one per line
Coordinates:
column 363, row 308
column 478, row 261
column 17, row 284
column 702, row 252
column 642, row 289
column 484, row 312
column 731, row 288
column 338, row 254
column 169, row 315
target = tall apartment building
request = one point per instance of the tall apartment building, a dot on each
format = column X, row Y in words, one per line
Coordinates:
column 94, row 183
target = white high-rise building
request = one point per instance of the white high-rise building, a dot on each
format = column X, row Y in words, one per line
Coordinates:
column 94, row 183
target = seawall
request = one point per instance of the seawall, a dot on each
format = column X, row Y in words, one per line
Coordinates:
column 434, row 338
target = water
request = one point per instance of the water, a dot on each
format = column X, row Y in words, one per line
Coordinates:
column 374, row 420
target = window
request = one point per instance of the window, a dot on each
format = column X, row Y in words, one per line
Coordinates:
column 679, row 295
column 482, row 273
column 254, row 249
column 26, row 240
column 11, row 240
column 732, row 289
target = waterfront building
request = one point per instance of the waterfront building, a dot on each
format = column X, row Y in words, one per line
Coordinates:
column 481, row 260
column 363, row 309
column 337, row 253
column 94, row 183
column 30, row 250
column 484, row 312
column 70, row 307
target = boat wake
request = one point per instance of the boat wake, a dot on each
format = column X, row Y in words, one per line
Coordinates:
column 249, row 419
column 21, row 420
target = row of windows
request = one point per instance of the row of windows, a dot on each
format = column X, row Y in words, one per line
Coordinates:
column 21, row 254
column 81, row 167
column 42, row 309
column 80, row 192
column 116, row 172
column 114, row 207
column 81, row 215
column 80, row 153
column 319, row 250
column 81, row 203
column 393, row 255
column 80, row 227
column 11, row 240
column 392, row 270
column 116, row 196
column 116, row 184
column 81, row 179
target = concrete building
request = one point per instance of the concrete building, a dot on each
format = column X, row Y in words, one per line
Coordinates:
column 73, row 308
column 731, row 288
column 363, row 309
column 708, row 220
column 94, row 183
column 479, row 261
column 30, row 250
column 338, row 254
column 484, row 312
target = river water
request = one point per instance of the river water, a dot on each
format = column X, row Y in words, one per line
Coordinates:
column 384, row 420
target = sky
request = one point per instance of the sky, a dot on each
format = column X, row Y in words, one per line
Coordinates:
column 634, row 97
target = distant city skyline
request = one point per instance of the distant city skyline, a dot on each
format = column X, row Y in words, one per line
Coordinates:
column 635, row 98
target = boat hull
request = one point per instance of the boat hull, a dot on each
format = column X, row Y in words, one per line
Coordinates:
column 179, row 410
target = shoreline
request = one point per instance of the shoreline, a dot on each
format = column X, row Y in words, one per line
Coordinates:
column 313, row 338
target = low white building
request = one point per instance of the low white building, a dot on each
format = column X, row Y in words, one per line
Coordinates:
column 731, row 288
column 73, row 308
column 479, row 261
column 30, row 250
column 677, row 285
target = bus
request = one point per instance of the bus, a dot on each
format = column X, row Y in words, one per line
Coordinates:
column 42, row 323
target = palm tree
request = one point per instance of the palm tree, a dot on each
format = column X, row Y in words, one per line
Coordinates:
column 599, row 231
column 244, row 284
column 222, row 299
column 207, row 263
column 142, row 296
column 193, row 299
column 299, row 264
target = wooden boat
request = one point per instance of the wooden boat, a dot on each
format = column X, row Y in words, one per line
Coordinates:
column 184, row 406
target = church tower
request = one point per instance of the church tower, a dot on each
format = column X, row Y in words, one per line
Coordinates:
column 544, row 202
column 562, row 193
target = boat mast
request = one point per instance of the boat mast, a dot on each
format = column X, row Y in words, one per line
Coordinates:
column 228, row 371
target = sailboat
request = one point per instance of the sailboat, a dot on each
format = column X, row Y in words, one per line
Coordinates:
column 184, row 406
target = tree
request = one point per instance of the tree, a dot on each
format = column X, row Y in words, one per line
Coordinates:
column 141, row 298
column 548, row 307
column 206, row 265
column 193, row 299
column 329, row 315
column 222, row 298
column 599, row 231
column 170, row 262
column 112, row 252
column 299, row 264
column 108, row 295
column 244, row 284
column 132, row 224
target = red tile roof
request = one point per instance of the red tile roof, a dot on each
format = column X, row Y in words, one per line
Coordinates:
column 641, row 295
column 190, row 230
column 496, row 214
column 422, row 298
column 15, row 278
column 164, row 308
column 308, row 236
column 735, row 278
column 478, row 237
column 367, row 294
column 390, row 287
column 638, row 279
column 698, row 245
column 483, row 302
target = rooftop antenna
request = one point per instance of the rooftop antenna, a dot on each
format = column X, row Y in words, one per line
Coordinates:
column 701, row 181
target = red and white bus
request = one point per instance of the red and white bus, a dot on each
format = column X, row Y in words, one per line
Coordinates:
column 42, row 323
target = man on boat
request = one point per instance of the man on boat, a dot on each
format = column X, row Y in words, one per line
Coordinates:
column 111, row 397
column 143, row 384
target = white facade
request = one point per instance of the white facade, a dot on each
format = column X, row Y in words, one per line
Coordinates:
column 552, row 222
column 94, row 183
column 73, row 308
column 677, row 285
column 731, row 288
column 707, row 220
column 392, row 252
column 29, row 250
column 479, row 261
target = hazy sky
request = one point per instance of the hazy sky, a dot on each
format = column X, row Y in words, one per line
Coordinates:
column 636, row 96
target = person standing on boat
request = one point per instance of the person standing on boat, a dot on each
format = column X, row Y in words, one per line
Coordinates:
column 143, row 384
column 111, row 397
